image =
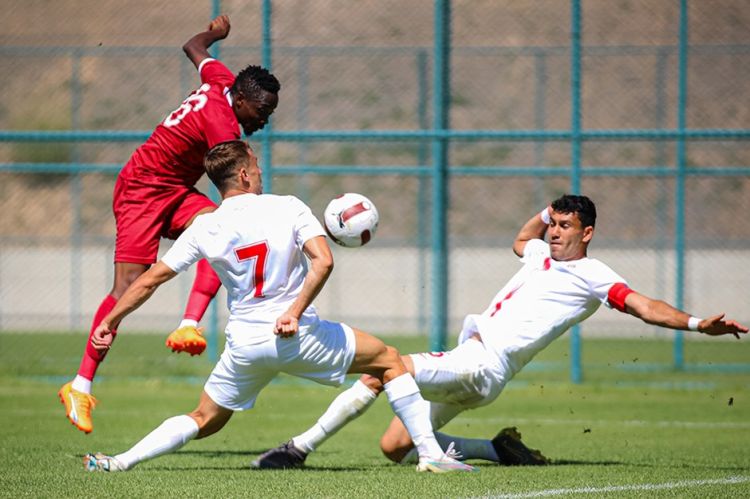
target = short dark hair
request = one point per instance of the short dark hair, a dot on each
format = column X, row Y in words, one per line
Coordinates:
column 252, row 80
column 580, row 205
column 223, row 159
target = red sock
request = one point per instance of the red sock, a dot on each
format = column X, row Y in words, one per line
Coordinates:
column 205, row 287
column 92, row 357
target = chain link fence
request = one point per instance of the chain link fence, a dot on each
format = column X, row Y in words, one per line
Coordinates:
column 641, row 105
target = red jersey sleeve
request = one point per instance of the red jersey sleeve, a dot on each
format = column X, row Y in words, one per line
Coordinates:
column 213, row 71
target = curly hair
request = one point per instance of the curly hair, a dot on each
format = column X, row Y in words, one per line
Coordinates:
column 580, row 205
column 252, row 80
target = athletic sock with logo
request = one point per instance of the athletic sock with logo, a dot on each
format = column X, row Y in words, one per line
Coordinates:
column 172, row 434
column 345, row 408
column 408, row 404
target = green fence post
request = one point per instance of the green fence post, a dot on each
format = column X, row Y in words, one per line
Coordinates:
column 680, row 181
column 660, row 160
column 441, row 108
column 267, row 153
column 540, row 119
column 576, row 371
column 212, row 333
column 422, row 91
column 76, row 190
column 303, row 83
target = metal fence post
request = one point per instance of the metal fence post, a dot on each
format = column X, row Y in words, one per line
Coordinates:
column 303, row 83
column 441, row 108
column 540, row 115
column 422, row 152
column 266, row 46
column 660, row 160
column 213, row 310
column 680, row 181
column 576, row 371
column 76, row 190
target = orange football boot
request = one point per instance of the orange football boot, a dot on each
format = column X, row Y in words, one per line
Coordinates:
column 78, row 406
column 187, row 339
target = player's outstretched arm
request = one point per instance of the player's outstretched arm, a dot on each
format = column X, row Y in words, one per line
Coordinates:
column 137, row 293
column 535, row 228
column 663, row 314
column 197, row 47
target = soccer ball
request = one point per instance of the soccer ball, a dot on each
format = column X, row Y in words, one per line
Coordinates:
column 351, row 220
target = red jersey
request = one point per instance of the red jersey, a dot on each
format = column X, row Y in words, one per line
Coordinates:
column 174, row 152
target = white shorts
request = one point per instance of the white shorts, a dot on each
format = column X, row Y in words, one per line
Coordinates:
column 321, row 352
column 463, row 378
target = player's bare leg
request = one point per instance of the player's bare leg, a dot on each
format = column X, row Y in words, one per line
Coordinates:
column 384, row 371
column 506, row 448
column 397, row 446
column 188, row 337
column 349, row 405
column 171, row 435
column 396, row 442
column 346, row 407
column 76, row 394
column 384, row 363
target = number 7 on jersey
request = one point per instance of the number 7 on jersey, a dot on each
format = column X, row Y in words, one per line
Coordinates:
column 259, row 251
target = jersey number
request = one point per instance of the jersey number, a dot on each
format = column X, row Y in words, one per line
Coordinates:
column 194, row 102
column 258, row 251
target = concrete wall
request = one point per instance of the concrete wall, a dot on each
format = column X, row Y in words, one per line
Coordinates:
column 376, row 289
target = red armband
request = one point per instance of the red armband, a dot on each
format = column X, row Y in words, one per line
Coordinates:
column 617, row 295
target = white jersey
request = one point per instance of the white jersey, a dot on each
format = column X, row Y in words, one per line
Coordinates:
column 538, row 304
column 254, row 243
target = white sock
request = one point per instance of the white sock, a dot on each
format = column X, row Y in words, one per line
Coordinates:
column 345, row 408
column 81, row 384
column 188, row 322
column 469, row 448
column 408, row 404
column 172, row 434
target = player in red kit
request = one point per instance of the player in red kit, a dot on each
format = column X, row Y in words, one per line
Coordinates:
column 155, row 194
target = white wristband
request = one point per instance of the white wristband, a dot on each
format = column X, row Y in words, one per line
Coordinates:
column 544, row 215
column 693, row 323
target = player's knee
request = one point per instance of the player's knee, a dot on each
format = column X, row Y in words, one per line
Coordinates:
column 208, row 424
column 392, row 356
column 371, row 382
column 395, row 449
column 123, row 279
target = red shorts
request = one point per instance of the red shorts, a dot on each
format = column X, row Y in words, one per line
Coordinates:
column 146, row 209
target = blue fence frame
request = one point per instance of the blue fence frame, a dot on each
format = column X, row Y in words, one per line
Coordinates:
column 438, row 135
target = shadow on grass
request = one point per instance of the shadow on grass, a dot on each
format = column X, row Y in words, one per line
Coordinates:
column 358, row 469
column 210, row 454
column 253, row 453
column 577, row 462
column 220, row 453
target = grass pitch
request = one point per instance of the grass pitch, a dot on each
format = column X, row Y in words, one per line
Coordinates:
column 634, row 428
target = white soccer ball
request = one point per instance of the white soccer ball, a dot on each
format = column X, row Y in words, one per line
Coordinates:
column 351, row 220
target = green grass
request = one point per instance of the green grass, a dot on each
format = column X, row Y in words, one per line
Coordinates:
column 634, row 422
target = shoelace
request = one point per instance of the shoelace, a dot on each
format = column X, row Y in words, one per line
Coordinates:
column 452, row 453
column 86, row 400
